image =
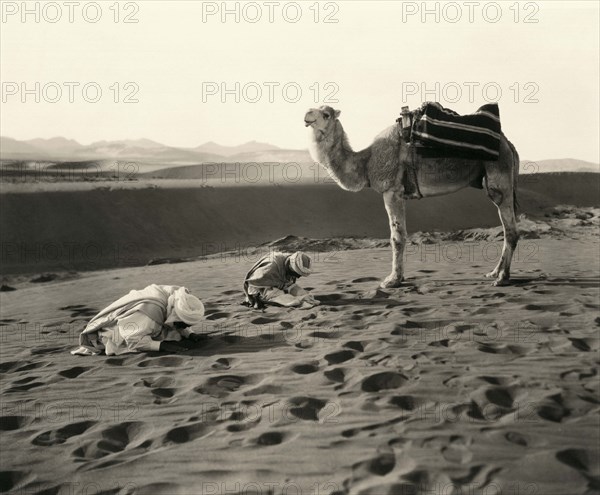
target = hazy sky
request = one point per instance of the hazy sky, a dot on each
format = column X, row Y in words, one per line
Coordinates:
column 377, row 57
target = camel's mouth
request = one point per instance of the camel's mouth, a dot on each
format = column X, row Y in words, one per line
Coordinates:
column 308, row 122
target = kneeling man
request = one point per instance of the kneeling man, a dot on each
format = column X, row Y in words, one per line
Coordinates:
column 142, row 320
column 272, row 280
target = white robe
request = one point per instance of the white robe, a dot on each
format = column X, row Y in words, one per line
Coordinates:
column 133, row 323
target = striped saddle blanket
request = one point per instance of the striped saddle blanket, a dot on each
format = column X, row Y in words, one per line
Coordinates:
column 475, row 136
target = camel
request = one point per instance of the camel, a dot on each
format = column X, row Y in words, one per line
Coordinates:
column 381, row 166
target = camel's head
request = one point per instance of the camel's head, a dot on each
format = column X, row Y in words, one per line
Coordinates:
column 321, row 119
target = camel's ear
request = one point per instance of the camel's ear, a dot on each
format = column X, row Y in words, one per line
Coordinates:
column 336, row 113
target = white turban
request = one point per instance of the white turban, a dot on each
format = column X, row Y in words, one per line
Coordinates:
column 185, row 307
column 300, row 263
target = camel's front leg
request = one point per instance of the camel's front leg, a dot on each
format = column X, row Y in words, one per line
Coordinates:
column 395, row 207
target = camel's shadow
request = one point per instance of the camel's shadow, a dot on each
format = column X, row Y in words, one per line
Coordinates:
column 580, row 282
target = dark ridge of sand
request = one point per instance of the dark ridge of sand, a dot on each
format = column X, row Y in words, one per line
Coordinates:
column 88, row 230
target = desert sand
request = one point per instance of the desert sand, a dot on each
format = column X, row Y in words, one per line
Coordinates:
column 444, row 386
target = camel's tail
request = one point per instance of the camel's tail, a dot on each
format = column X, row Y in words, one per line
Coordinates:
column 516, row 164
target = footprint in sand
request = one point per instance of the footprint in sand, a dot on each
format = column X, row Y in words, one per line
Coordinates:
column 241, row 425
column 115, row 361
column 160, row 387
column 553, row 409
column 335, row 375
column 354, row 345
column 48, row 350
column 578, row 374
column 73, row 372
column 324, row 335
column 25, row 387
column 27, row 379
column 56, row 437
column 261, row 320
column 31, row 366
column 457, row 454
column 383, row 463
column 7, row 366
column 408, row 402
column 11, row 423
column 585, row 345
column 585, row 461
column 305, row 368
column 501, row 397
column 163, row 362
column 11, row 479
column 221, row 386
column 270, row 438
column 221, row 364
column 158, row 382
column 184, row 434
column 114, row 439
column 306, row 408
column 365, row 279
column 494, row 348
column 163, row 392
column 383, row 381
column 339, row 357
column 516, row 438
column 80, row 311
column 72, row 307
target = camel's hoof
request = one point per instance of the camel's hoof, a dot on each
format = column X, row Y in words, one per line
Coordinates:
column 391, row 283
column 492, row 274
column 501, row 282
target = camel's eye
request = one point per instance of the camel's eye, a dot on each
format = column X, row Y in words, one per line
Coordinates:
column 326, row 115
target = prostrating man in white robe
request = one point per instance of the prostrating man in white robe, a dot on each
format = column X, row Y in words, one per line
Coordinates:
column 272, row 280
column 143, row 320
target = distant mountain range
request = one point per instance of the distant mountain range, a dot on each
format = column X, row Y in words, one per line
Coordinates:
column 249, row 147
column 61, row 149
column 143, row 150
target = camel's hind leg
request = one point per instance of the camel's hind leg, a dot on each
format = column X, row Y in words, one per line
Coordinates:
column 395, row 206
column 504, row 200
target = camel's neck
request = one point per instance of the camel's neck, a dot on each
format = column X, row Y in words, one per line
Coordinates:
column 348, row 168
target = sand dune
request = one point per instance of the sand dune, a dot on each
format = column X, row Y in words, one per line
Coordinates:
column 443, row 386
column 125, row 225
